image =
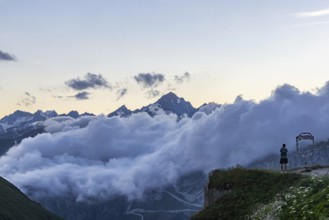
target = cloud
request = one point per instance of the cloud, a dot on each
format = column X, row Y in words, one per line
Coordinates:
column 308, row 14
column 149, row 80
column 121, row 93
column 90, row 81
column 27, row 100
column 79, row 96
column 82, row 95
column 181, row 79
column 99, row 157
column 66, row 123
column 6, row 56
column 152, row 93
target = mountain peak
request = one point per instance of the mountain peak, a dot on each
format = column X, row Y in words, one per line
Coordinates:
column 122, row 111
column 172, row 103
column 123, row 107
column 51, row 113
column 20, row 112
column 74, row 114
column 169, row 96
column 38, row 112
column 12, row 118
column 87, row 114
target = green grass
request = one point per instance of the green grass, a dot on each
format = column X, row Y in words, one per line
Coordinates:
column 307, row 200
column 14, row 205
column 248, row 191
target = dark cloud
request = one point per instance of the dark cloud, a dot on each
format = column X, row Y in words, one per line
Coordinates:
column 121, row 93
column 79, row 96
column 27, row 100
column 90, row 80
column 82, row 95
column 152, row 93
column 180, row 79
column 149, row 80
column 6, row 56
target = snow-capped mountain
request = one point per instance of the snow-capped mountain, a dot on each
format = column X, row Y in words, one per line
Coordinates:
column 86, row 114
column 21, row 124
column 75, row 114
column 41, row 116
column 21, row 118
column 123, row 111
column 15, row 118
column 169, row 103
column 72, row 114
column 51, row 113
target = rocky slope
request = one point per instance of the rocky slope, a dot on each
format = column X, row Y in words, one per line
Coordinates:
column 15, row 205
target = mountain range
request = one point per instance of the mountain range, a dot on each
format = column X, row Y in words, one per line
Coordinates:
column 21, row 124
column 174, row 202
column 169, row 103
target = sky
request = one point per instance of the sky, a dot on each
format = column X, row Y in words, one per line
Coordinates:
column 94, row 56
column 265, row 61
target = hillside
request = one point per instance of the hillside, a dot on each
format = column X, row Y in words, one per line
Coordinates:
column 15, row 205
column 259, row 194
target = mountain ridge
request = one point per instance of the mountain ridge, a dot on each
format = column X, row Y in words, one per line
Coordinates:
column 16, row 205
column 169, row 103
column 20, row 124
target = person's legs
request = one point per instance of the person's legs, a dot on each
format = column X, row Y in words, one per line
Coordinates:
column 285, row 164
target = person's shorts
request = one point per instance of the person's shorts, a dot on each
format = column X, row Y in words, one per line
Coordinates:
column 283, row 160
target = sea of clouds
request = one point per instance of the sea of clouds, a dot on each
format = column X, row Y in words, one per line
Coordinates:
column 98, row 157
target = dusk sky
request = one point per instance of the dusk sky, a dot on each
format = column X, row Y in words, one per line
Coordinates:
column 94, row 55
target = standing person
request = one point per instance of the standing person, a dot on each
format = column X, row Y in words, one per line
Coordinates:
column 283, row 158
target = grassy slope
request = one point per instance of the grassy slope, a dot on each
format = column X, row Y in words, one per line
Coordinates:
column 257, row 194
column 15, row 205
